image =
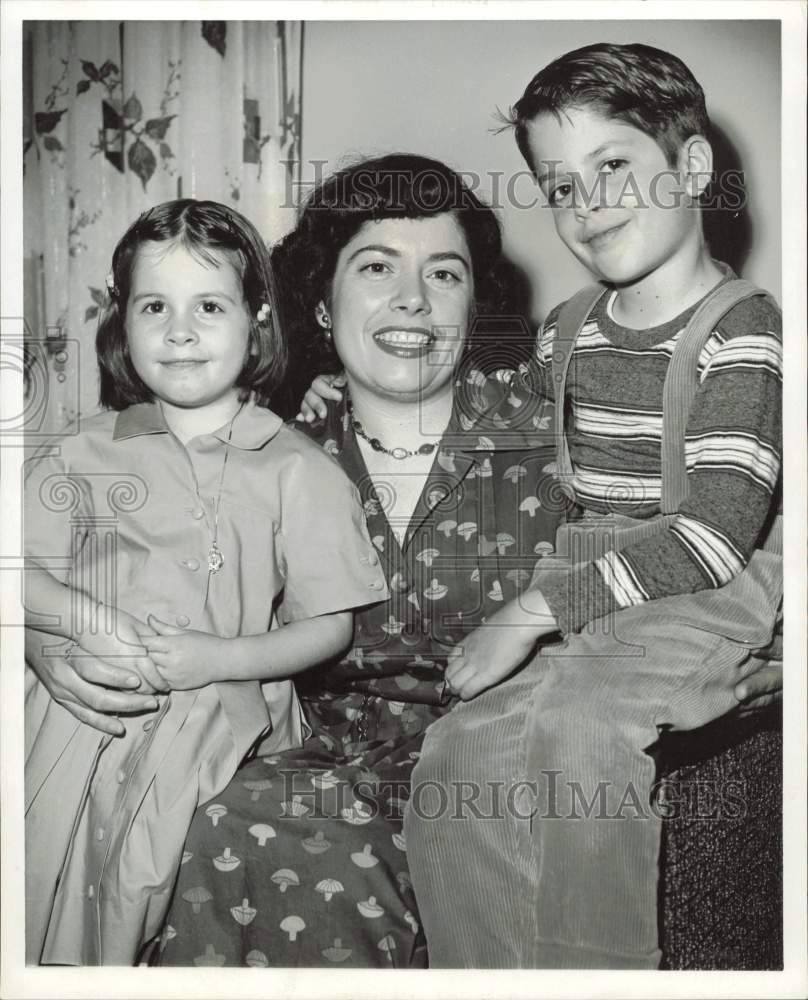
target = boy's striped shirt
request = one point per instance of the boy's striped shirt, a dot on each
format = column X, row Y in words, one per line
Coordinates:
column 732, row 450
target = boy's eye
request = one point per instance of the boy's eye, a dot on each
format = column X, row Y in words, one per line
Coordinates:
column 559, row 195
column 612, row 166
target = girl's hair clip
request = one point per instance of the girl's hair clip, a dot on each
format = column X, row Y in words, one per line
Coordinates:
column 263, row 313
column 110, row 283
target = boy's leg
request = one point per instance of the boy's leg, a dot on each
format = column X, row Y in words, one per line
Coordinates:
column 576, row 885
column 595, row 841
column 464, row 852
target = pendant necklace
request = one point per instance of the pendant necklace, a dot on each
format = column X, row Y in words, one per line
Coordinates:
column 215, row 557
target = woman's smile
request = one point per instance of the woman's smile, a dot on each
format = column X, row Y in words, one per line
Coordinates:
column 410, row 342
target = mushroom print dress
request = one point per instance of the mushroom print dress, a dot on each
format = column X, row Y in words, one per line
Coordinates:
column 301, row 861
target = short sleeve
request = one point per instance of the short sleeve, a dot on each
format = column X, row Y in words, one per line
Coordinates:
column 57, row 504
column 327, row 558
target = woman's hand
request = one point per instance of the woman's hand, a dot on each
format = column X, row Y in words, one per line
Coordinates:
column 186, row 658
column 123, row 649
column 322, row 388
column 496, row 649
column 761, row 688
column 81, row 683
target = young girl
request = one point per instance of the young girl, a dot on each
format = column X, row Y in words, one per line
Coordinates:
column 165, row 535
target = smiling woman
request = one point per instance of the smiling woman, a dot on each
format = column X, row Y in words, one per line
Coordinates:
column 401, row 301
column 387, row 266
column 405, row 291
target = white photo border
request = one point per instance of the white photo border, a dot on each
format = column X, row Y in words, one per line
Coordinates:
column 17, row 981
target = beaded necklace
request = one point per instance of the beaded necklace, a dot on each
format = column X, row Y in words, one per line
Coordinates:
column 397, row 453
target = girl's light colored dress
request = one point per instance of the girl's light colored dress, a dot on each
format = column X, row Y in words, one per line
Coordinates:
column 121, row 510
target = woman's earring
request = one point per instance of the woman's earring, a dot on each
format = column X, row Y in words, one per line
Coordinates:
column 325, row 322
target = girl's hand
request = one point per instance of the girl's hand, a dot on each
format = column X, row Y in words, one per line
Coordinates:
column 124, row 649
column 322, row 388
column 90, row 689
column 496, row 649
column 186, row 659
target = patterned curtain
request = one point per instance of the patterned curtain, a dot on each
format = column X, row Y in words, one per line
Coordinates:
column 120, row 116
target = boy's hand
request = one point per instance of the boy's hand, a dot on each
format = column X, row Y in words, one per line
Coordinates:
column 322, row 388
column 185, row 658
column 124, row 649
column 496, row 649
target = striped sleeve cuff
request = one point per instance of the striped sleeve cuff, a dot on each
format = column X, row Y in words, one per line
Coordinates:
column 577, row 597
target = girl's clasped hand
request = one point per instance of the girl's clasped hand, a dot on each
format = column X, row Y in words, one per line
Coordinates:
column 184, row 658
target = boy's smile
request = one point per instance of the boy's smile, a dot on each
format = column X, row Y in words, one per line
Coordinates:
column 600, row 239
column 618, row 204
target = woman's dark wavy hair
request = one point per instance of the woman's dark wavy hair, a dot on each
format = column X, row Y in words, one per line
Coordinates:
column 395, row 186
column 637, row 84
column 210, row 232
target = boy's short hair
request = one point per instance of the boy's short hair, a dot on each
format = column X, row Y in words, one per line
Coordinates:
column 642, row 86
column 210, row 231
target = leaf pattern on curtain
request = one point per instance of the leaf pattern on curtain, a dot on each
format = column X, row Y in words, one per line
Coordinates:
column 215, row 34
column 121, row 116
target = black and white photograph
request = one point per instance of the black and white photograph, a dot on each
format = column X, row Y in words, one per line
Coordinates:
column 403, row 485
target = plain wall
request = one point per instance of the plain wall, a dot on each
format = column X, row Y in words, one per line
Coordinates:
column 432, row 87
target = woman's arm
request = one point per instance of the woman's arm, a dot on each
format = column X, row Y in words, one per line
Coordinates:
column 104, row 632
column 189, row 659
column 90, row 689
column 52, row 607
column 322, row 388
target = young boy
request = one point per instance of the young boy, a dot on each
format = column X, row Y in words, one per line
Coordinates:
column 656, row 631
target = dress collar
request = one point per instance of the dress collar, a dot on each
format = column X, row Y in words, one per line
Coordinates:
column 488, row 415
column 252, row 428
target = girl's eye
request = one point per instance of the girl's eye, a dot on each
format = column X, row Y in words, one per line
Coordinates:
column 154, row 308
column 210, row 308
column 375, row 267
